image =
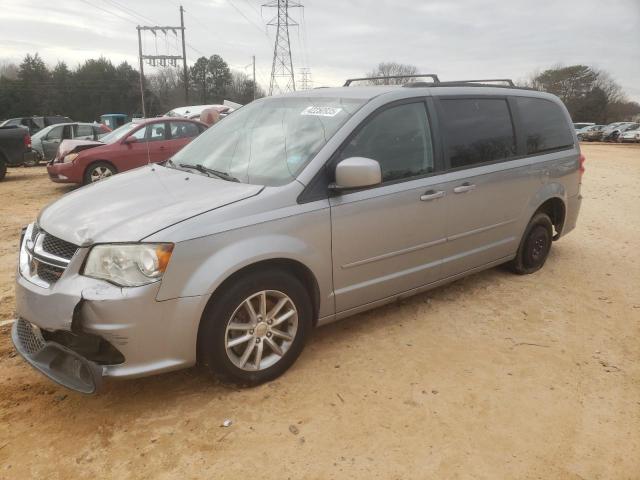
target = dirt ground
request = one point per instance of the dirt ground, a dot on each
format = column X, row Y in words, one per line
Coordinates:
column 492, row 377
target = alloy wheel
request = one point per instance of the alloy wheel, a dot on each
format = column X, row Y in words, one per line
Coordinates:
column 261, row 330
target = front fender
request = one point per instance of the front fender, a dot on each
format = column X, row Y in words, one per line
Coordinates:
column 199, row 266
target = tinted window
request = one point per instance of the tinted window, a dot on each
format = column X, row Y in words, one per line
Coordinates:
column 183, row 129
column 155, row 132
column 399, row 139
column 477, row 131
column 544, row 124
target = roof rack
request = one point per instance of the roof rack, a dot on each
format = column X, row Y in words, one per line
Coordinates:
column 433, row 76
column 508, row 81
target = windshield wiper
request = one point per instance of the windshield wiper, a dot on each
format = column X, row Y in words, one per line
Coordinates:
column 210, row 171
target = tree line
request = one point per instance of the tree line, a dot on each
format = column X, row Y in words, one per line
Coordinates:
column 591, row 95
column 97, row 86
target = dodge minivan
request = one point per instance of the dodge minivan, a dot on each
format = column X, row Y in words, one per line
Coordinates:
column 295, row 211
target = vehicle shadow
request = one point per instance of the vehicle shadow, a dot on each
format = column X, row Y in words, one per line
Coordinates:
column 170, row 387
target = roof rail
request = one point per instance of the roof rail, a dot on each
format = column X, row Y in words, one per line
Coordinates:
column 433, row 76
column 508, row 81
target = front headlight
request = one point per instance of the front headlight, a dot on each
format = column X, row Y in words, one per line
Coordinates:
column 69, row 158
column 128, row 265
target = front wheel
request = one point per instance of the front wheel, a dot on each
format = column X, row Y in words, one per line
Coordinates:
column 534, row 246
column 98, row 171
column 255, row 327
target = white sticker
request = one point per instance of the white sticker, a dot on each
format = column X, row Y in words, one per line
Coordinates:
column 321, row 111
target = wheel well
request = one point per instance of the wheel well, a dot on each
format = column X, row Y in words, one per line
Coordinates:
column 100, row 161
column 298, row 269
column 555, row 208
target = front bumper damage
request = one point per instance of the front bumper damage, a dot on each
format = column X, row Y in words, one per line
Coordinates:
column 59, row 363
column 77, row 330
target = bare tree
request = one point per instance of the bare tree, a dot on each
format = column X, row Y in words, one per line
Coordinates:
column 390, row 69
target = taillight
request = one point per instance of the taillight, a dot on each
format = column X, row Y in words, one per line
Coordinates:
column 27, row 141
column 581, row 160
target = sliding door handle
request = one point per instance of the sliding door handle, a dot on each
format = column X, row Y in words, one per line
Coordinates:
column 465, row 187
column 431, row 195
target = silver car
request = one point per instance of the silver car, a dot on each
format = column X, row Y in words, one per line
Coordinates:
column 293, row 212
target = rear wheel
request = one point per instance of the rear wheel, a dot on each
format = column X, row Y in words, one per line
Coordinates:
column 534, row 246
column 98, row 171
column 255, row 328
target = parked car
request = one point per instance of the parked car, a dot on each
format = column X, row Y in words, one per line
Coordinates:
column 47, row 140
column 630, row 135
column 35, row 124
column 194, row 111
column 581, row 125
column 15, row 148
column 590, row 133
column 295, row 211
column 114, row 120
column 611, row 133
column 130, row 146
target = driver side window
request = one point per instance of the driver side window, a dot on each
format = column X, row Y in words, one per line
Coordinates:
column 399, row 138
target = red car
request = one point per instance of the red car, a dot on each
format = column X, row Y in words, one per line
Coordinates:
column 132, row 145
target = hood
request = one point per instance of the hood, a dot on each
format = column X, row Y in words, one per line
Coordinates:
column 68, row 146
column 132, row 205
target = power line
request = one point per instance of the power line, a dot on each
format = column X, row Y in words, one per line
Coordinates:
column 248, row 19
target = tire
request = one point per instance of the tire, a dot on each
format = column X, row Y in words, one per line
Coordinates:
column 221, row 349
column 32, row 163
column 3, row 168
column 98, row 171
column 534, row 246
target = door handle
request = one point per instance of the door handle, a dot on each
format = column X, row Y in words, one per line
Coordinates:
column 431, row 195
column 465, row 187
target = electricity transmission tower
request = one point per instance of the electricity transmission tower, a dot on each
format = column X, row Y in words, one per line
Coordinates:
column 282, row 77
column 305, row 78
column 163, row 59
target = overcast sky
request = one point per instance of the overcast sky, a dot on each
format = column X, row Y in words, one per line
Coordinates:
column 338, row 39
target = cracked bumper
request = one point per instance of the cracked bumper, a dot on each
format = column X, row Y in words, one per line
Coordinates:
column 153, row 336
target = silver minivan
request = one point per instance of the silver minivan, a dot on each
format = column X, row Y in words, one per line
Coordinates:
column 293, row 212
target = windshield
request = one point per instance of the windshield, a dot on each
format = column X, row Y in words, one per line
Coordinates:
column 118, row 133
column 269, row 141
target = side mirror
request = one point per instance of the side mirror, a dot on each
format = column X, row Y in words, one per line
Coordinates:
column 129, row 140
column 357, row 172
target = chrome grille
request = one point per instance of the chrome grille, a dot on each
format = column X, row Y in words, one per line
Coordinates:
column 58, row 247
column 30, row 338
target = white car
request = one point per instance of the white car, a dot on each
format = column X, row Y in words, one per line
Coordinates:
column 630, row 136
column 194, row 111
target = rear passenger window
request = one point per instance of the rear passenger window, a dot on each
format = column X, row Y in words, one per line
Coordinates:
column 399, row 139
column 544, row 124
column 477, row 131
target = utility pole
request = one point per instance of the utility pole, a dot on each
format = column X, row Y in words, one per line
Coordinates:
column 184, row 59
column 254, row 76
column 162, row 60
column 282, row 67
column 144, row 112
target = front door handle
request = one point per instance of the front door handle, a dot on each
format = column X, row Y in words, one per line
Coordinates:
column 431, row 195
column 465, row 187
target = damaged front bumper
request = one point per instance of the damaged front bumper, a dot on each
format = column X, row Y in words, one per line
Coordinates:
column 88, row 328
column 59, row 363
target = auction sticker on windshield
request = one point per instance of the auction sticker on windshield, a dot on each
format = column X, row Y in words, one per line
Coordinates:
column 321, row 111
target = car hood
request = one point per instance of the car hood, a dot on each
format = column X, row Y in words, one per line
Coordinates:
column 131, row 206
column 68, row 146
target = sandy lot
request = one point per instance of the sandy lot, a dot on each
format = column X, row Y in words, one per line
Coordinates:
column 494, row 376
